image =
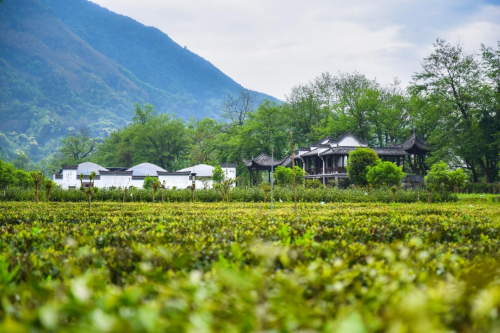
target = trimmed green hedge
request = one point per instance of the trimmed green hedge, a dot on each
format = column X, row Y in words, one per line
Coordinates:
column 238, row 194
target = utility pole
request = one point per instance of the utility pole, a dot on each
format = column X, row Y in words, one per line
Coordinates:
column 272, row 177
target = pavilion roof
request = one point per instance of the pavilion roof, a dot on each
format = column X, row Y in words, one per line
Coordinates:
column 413, row 144
column 264, row 160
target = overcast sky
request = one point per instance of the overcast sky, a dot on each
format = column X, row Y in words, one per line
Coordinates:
column 272, row 45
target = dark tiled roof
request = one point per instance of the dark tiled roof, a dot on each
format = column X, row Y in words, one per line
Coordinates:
column 266, row 161
column 142, row 177
column 115, row 173
column 170, row 173
column 414, row 142
column 228, row 165
column 96, row 177
column 343, row 150
column 69, row 167
column 115, row 169
column 390, row 151
column 59, row 176
column 313, row 152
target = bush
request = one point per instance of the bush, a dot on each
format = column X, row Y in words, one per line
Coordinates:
column 385, row 174
column 358, row 163
column 149, row 181
column 218, row 175
column 238, row 194
column 284, row 176
column 443, row 180
column 314, row 183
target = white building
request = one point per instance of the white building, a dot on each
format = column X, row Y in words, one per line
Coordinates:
column 69, row 175
column 204, row 173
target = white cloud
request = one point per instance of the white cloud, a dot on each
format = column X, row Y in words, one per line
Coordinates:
column 270, row 46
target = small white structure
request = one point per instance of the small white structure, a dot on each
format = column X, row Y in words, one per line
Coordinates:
column 69, row 175
column 204, row 173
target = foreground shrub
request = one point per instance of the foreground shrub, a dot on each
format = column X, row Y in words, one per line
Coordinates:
column 358, row 163
column 385, row 174
column 207, row 267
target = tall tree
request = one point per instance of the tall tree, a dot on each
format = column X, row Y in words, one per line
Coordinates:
column 78, row 146
column 203, row 134
column 161, row 139
column 236, row 106
column 453, row 81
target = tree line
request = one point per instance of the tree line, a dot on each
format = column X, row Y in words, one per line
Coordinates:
column 453, row 102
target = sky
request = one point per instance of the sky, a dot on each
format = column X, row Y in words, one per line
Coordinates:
column 271, row 46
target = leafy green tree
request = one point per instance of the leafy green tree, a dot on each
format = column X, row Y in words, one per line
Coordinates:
column 143, row 115
column 90, row 190
column 457, row 179
column 48, row 185
column 77, row 147
column 37, row 180
column 284, row 176
column 162, row 139
column 437, row 178
column 218, row 175
column 385, row 174
column 21, row 160
column 314, row 183
column 203, row 134
column 12, row 177
column 149, row 181
column 358, row 164
column 237, row 106
column 465, row 120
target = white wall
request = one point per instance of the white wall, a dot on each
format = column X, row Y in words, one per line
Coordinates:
column 114, row 181
column 230, row 173
column 69, row 179
column 179, row 182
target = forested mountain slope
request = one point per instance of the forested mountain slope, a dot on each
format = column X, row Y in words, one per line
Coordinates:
column 65, row 64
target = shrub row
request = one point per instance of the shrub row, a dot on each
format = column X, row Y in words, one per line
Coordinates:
column 238, row 194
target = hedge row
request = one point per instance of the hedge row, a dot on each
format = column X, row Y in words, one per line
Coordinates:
column 238, row 194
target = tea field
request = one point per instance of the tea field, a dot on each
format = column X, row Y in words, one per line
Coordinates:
column 214, row 267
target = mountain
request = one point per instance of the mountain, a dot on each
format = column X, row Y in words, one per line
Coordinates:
column 66, row 64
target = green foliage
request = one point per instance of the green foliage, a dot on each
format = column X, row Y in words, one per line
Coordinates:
column 238, row 194
column 149, row 181
column 437, row 178
column 12, row 177
column 284, row 176
column 48, row 185
column 88, row 189
column 38, row 178
column 358, row 164
column 457, row 179
column 218, row 174
column 442, row 179
column 162, row 140
column 459, row 97
column 314, row 183
column 385, row 174
column 185, row 267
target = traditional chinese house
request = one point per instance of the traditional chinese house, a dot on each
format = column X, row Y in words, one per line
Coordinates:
column 327, row 158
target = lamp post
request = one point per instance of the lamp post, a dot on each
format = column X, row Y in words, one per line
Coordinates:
column 272, row 177
column 193, row 186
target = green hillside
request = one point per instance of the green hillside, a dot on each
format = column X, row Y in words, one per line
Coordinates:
column 65, row 64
